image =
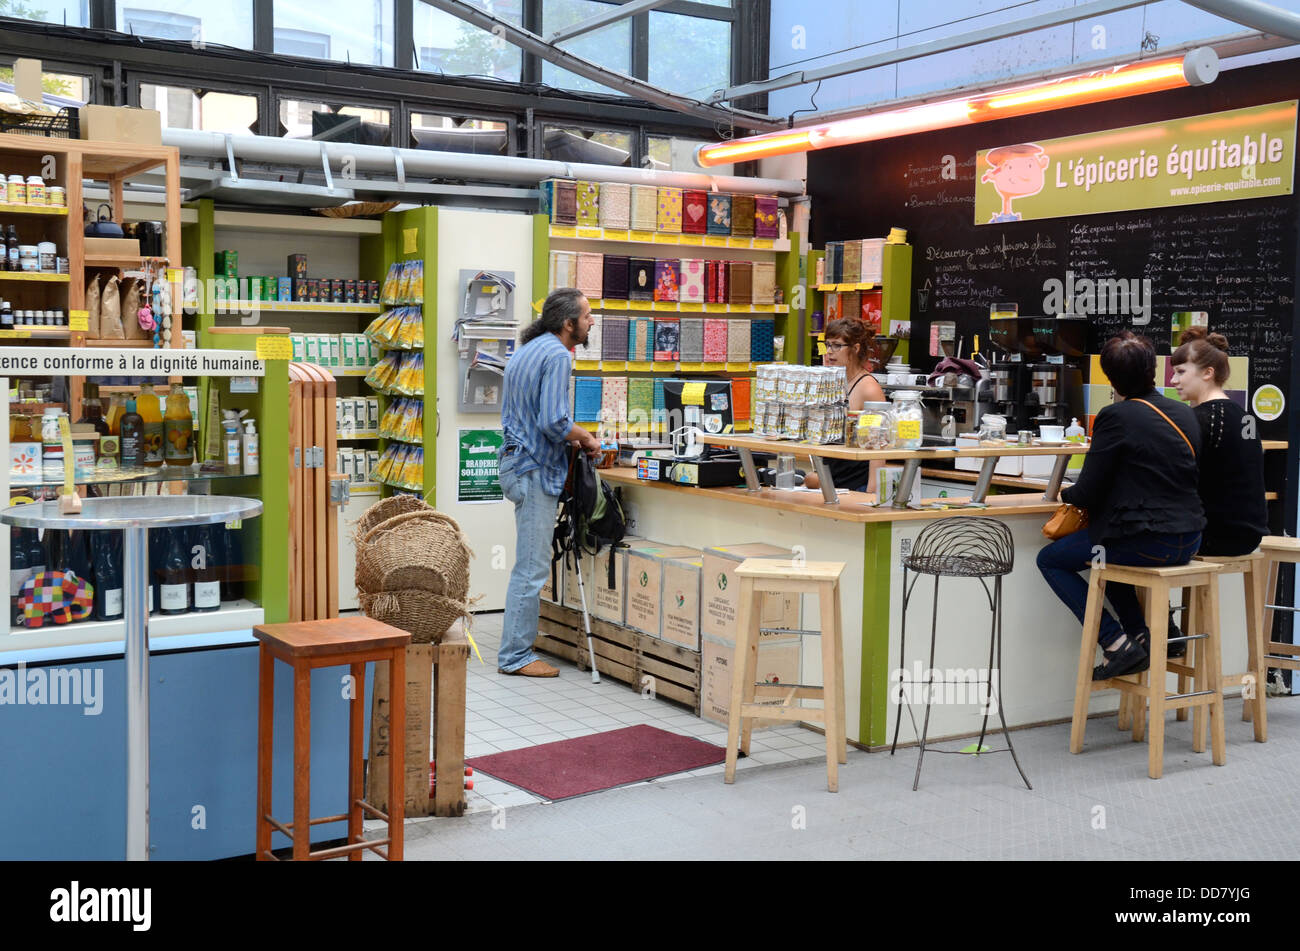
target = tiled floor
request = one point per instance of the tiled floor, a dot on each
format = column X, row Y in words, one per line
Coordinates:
column 508, row 713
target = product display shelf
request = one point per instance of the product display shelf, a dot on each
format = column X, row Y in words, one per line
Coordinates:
column 786, row 315
column 7, row 209
column 896, row 295
column 137, row 476
column 242, row 307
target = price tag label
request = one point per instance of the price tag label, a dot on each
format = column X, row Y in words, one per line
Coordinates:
column 616, row 234
column 693, row 394
column 276, row 347
column 563, row 231
column 642, row 235
column 664, row 237
column 692, row 239
column 590, row 233
column 689, row 306
column 14, row 334
column 715, row 241
column 764, row 244
column 640, row 305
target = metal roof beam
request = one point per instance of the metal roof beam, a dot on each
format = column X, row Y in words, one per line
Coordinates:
column 613, row 15
column 1001, row 31
column 1254, row 14
column 533, row 43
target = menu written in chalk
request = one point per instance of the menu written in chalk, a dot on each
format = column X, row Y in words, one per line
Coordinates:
column 58, row 361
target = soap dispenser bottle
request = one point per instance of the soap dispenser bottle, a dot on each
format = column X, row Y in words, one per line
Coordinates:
column 250, row 447
column 1074, row 432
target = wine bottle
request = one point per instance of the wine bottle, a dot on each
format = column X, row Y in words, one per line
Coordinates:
column 106, row 547
column 174, row 572
column 155, row 563
column 19, row 571
column 232, row 575
column 76, row 558
column 206, row 563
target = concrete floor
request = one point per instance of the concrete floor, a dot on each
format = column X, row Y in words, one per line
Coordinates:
column 1098, row 805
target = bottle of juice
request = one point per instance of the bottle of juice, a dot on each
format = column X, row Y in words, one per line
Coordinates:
column 116, row 409
column 150, row 411
column 178, row 428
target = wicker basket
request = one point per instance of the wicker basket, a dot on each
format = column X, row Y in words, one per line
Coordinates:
column 423, row 551
column 383, row 511
column 426, row 617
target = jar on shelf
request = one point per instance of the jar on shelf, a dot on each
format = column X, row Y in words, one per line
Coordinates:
column 875, row 427
column 35, row 190
column 993, row 430
column 16, row 190
column 907, row 419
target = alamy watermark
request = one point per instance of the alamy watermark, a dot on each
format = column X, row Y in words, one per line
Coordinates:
column 54, row 686
column 952, row 686
column 1084, row 297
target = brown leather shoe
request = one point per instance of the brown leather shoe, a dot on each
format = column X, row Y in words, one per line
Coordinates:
column 538, row 668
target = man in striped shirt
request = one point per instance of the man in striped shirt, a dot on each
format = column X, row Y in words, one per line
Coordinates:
column 534, row 463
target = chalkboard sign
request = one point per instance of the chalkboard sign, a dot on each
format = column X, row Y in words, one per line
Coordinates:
column 1236, row 260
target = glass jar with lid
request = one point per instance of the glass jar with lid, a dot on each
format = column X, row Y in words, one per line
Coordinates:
column 993, row 430
column 907, row 419
column 875, row 428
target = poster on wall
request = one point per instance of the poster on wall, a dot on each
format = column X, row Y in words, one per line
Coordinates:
column 477, row 478
column 1223, row 156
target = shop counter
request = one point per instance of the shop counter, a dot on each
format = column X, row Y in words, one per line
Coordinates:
column 1040, row 636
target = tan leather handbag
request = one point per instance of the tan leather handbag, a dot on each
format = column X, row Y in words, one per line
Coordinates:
column 1066, row 520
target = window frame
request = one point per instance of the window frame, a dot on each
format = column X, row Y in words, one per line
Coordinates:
column 511, row 121
column 136, row 79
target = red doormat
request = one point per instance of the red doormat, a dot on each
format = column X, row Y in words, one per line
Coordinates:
column 601, row 761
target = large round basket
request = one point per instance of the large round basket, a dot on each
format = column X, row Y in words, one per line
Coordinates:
column 415, row 551
column 426, row 617
column 388, row 508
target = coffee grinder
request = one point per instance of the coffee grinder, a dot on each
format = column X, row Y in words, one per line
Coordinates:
column 1036, row 371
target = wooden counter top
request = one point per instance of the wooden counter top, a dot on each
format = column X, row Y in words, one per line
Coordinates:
column 852, row 507
column 759, row 444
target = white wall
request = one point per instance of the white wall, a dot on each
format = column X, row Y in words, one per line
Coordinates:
column 479, row 240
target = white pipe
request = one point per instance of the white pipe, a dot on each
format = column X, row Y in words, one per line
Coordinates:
column 1256, row 15
column 454, row 165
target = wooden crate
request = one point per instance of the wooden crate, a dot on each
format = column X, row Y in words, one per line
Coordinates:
column 623, row 654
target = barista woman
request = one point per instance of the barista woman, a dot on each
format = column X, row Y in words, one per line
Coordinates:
column 848, row 345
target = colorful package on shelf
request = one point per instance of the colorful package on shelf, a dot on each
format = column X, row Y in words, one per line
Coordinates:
column 742, row 216
column 586, row 399
column 591, row 349
column 640, row 339
column 715, row 340
column 738, row 341
column 381, row 471
column 410, row 375
column 872, row 308
column 641, row 278
column 392, row 279
column 695, row 211
column 399, row 329
column 613, row 342
column 852, row 267
column 719, row 213
column 615, row 206
column 613, row 408
column 645, row 207
column 640, row 405
column 667, row 339
column 588, row 204
column 851, row 303
column 667, row 278
column 873, row 260
column 411, row 475
column 764, row 282
column 590, row 274
column 410, row 333
column 404, row 421
column 415, row 287
column 715, row 282
column 691, row 345
column 669, row 218
column 614, row 284
column 560, row 201
column 761, row 340
column 383, row 329
column 741, row 398
column 740, row 282
column 564, row 269
column 691, row 282
column 766, row 222
column 383, row 375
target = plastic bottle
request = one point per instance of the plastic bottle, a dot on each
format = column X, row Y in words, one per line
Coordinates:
column 250, row 447
column 231, row 440
column 116, row 409
column 132, row 437
column 1074, row 432
column 150, row 411
column 178, row 428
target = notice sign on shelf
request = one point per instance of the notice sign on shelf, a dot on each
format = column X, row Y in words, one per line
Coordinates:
column 61, row 361
column 477, row 477
column 1225, row 156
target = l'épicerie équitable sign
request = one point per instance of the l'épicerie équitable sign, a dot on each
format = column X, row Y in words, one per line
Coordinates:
column 1224, row 156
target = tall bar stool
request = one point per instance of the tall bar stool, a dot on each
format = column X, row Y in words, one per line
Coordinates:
column 1277, row 550
column 1150, row 686
column 759, row 576
column 306, row 645
column 967, row 546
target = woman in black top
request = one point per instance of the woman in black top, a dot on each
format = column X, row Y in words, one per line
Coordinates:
column 1231, row 482
column 848, row 345
column 1138, row 485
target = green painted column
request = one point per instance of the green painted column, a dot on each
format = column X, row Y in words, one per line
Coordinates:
column 789, row 279
column 896, row 297
column 873, row 713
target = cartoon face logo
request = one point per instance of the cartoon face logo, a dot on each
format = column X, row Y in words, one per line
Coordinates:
column 1015, row 171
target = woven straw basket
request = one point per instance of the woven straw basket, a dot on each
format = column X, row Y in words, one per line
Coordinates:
column 426, row 617
column 388, row 508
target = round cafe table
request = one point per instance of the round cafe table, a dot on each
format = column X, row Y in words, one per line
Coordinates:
column 133, row 517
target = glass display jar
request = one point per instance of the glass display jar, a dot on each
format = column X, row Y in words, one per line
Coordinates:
column 907, row 419
column 993, row 430
column 875, row 427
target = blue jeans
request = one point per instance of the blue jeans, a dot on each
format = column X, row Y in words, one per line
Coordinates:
column 1063, row 560
column 534, row 528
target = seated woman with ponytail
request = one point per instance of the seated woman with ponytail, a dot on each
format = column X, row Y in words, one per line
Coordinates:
column 848, row 345
column 1231, row 479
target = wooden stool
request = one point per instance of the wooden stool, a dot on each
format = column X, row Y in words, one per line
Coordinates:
column 1202, row 577
column 1277, row 550
column 306, row 645
column 450, row 662
column 759, row 576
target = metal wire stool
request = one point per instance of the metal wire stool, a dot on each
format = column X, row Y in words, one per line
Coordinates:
column 960, row 547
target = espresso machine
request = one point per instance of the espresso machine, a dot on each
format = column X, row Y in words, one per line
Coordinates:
column 1036, row 371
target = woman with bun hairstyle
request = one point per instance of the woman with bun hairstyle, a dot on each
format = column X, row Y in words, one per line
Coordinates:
column 1231, row 481
column 848, row 345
